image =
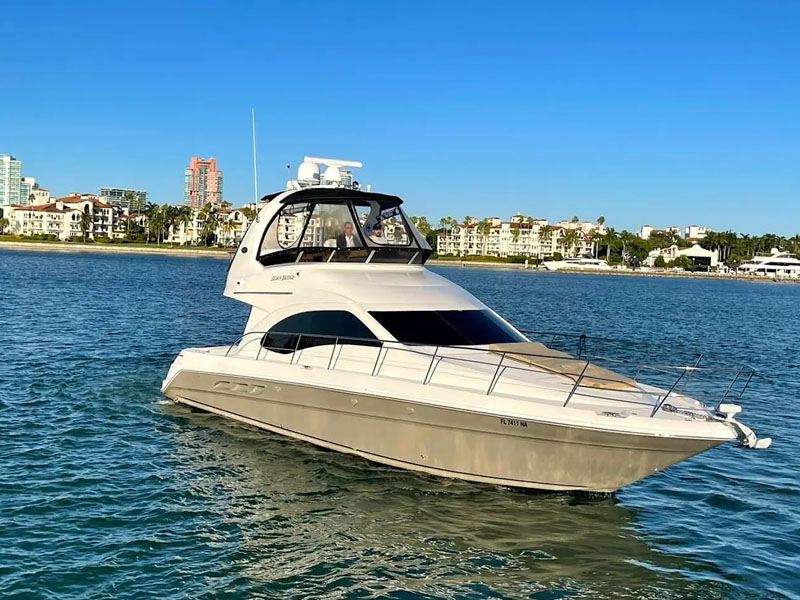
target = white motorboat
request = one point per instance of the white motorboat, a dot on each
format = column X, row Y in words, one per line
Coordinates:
column 776, row 264
column 579, row 263
column 353, row 345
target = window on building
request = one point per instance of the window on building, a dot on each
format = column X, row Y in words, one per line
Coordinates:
column 447, row 327
column 317, row 328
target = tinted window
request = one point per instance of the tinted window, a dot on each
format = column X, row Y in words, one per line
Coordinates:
column 447, row 327
column 318, row 328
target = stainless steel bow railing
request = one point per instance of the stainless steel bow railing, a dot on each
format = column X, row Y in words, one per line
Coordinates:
column 654, row 383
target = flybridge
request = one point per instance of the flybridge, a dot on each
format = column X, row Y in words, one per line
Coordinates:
column 324, row 216
column 336, row 174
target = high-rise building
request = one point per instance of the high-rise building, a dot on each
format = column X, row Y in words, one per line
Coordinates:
column 202, row 182
column 133, row 200
column 26, row 187
column 10, row 179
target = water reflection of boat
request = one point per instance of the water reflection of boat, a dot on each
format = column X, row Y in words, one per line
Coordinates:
column 319, row 518
column 353, row 345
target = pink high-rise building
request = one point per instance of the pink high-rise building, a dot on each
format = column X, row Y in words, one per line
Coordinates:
column 202, row 182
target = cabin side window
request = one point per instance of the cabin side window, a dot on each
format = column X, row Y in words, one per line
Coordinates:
column 317, row 328
column 447, row 327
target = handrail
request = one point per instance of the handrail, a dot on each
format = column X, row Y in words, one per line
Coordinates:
column 684, row 373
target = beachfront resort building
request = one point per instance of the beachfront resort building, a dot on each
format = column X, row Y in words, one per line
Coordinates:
column 520, row 236
column 62, row 217
column 130, row 200
column 202, row 183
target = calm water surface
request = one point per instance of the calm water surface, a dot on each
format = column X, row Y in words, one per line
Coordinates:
column 108, row 491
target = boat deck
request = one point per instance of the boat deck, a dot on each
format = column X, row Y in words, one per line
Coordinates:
column 507, row 376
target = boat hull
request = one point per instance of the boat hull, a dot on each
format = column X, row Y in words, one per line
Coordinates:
column 437, row 440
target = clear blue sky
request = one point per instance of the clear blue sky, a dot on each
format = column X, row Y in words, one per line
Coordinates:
column 645, row 112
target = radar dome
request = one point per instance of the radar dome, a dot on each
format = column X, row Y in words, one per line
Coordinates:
column 308, row 171
column 332, row 175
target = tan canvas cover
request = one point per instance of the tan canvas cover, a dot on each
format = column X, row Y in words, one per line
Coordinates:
column 565, row 364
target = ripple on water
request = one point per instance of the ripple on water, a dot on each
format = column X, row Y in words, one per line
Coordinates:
column 109, row 491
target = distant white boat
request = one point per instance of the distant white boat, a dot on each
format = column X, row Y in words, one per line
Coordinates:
column 776, row 264
column 581, row 263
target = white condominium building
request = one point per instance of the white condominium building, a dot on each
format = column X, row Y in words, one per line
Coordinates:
column 696, row 232
column 645, row 231
column 520, row 236
column 10, row 180
column 62, row 218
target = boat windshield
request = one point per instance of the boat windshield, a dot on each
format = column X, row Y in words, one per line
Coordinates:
column 342, row 230
column 447, row 327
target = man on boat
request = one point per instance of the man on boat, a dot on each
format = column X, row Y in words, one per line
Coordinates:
column 348, row 238
column 377, row 234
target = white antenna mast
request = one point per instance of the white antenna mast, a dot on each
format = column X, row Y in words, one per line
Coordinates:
column 255, row 164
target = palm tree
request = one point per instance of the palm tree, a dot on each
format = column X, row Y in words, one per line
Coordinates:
column 595, row 238
column 421, row 223
column 569, row 240
column 484, row 227
column 170, row 218
column 610, row 239
column 546, row 237
column 3, row 224
column 208, row 223
column 156, row 224
column 249, row 214
column 86, row 223
column 601, row 220
column 226, row 227
column 574, row 219
column 627, row 238
column 184, row 219
column 149, row 212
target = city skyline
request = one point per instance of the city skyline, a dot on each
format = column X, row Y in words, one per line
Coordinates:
column 645, row 114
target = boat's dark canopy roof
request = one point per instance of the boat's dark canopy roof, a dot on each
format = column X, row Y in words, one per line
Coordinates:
column 331, row 195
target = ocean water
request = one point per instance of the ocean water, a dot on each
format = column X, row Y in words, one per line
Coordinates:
column 109, row 491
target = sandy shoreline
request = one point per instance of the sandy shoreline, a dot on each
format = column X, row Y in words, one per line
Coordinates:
column 685, row 275
column 194, row 252
column 112, row 249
